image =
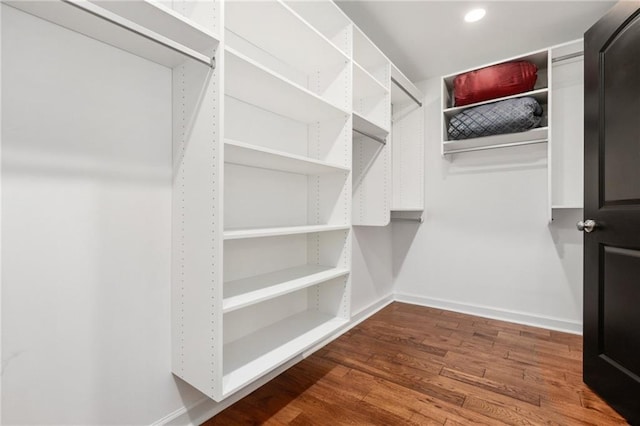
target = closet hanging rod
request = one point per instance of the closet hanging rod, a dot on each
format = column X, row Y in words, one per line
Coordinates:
column 567, row 56
column 413, row 98
column 370, row 136
column 124, row 24
column 506, row 145
column 407, row 219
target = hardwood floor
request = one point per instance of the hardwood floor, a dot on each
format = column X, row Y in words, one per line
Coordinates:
column 414, row 365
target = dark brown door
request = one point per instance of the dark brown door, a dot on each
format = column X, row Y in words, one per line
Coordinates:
column 612, row 201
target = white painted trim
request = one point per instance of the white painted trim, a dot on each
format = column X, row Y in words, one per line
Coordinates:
column 558, row 324
column 202, row 410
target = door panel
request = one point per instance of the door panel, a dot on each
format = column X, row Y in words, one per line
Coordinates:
column 612, row 199
column 619, row 73
column 620, row 284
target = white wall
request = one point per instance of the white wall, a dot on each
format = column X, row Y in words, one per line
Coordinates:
column 86, row 231
column 372, row 275
column 486, row 246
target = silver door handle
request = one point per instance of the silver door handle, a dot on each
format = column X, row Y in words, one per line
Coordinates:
column 587, row 225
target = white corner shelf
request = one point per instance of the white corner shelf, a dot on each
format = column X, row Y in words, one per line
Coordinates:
column 252, row 356
column 538, row 135
column 275, row 28
column 236, row 234
column 364, row 84
column 255, row 156
column 364, row 125
column 252, row 83
column 248, row 291
column 540, row 95
column 142, row 27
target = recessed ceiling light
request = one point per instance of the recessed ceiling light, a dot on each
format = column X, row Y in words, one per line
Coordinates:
column 475, row 15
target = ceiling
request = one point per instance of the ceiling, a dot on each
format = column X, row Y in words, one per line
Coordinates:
column 430, row 38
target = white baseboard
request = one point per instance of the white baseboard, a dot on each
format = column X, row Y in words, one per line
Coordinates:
column 567, row 326
column 204, row 409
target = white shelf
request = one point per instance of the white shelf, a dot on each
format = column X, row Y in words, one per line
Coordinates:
column 254, row 156
column 254, row 355
column 248, row 291
column 407, row 209
column 540, row 95
column 538, row 135
column 236, row 234
column 250, row 82
column 364, row 84
column 364, row 125
column 277, row 29
column 144, row 28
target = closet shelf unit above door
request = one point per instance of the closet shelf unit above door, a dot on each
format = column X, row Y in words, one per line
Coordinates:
column 540, row 93
column 145, row 28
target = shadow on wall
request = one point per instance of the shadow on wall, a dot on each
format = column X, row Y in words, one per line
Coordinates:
column 569, row 243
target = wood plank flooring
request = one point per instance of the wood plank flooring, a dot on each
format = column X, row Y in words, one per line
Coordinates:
column 409, row 364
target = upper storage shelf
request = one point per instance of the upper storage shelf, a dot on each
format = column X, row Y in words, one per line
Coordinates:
column 254, row 84
column 142, row 27
column 275, row 28
column 540, row 93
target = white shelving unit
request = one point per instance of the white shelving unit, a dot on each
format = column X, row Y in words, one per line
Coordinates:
column 542, row 60
column 566, row 150
column 287, row 189
column 407, row 136
column 257, row 112
column 561, row 98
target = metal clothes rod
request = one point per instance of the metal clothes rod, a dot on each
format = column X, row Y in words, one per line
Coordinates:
column 567, row 56
column 506, row 145
column 406, row 91
column 182, row 50
column 406, row 219
column 370, row 136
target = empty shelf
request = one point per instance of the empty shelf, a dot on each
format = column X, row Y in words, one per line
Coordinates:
column 254, row 84
column 364, row 84
column 539, row 135
column 254, row 156
column 144, row 28
column 248, row 291
column 250, row 357
column 277, row 29
column 236, row 234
